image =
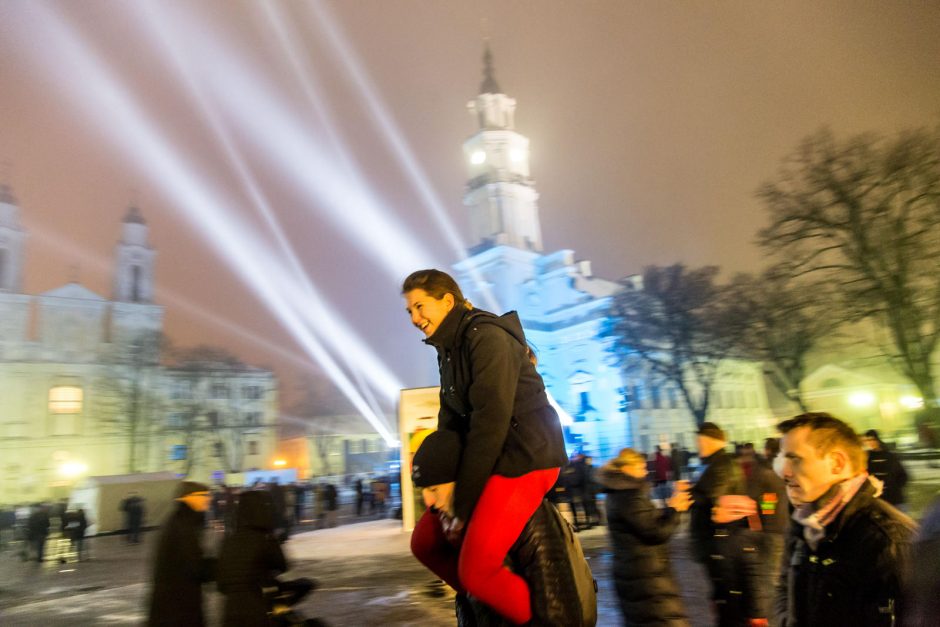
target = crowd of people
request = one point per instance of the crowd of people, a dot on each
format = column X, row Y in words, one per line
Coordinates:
column 31, row 527
column 809, row 532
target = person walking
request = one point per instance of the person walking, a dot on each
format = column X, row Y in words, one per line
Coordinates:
column 180, row 566
column 886, row 467
column 847, row 559
column 37, row 528
column 513, row 447
column 249, row 560
column 640, row 533
column 722, row 516
column 133, row 508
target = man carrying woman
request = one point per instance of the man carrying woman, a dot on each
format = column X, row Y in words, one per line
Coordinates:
column 511, row 441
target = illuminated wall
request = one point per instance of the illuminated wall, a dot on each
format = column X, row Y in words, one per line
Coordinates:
column 74, row 368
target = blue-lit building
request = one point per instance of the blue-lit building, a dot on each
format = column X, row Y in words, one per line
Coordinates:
column 564, row 308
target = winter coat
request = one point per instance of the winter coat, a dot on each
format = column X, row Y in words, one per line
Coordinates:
column 640, row 535
column 722, row 476
column 770, row 493
column 180, row 571
column 493, row 397
column 886, row 466
column 249, row 561
column 856, row 574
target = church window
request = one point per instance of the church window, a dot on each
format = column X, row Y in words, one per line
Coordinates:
column 656, row 397
column 673, row 396
column 65, row 399
column 135, row 284
column 252, row 392
column 217, row 449
column 253, row 447
column 253, row 418
column 213, row 418
column 637, row 397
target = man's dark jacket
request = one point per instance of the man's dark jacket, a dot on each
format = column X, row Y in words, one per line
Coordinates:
column 493, row 397
column 180, row 571
column 722, row 476
column 640, row 534
column 856, row 574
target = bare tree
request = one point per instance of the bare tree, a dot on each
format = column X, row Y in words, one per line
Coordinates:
column 782, row 321
column 129, row 394
column 206, row 407
column 675, row 326
column 864, row 215
column 321, row 408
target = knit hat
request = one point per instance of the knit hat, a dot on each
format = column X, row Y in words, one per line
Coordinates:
column 188, row 487
column 711, row 430
column 436, row 460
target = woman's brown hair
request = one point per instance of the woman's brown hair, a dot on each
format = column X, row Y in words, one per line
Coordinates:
column 436, row 284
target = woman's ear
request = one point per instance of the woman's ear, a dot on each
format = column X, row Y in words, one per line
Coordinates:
column 449, row 301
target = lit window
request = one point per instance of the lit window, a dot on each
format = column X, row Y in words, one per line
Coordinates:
column 65, row 399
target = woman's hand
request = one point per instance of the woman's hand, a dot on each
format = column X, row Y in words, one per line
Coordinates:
column 680, row 501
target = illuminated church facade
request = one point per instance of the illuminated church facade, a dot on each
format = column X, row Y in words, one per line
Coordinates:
column 565, row 309
column 84, row 392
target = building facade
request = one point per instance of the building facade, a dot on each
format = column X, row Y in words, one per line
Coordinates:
column 565, row 309
column 83, row 390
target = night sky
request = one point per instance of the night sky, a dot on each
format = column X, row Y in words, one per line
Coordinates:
column 651, row 126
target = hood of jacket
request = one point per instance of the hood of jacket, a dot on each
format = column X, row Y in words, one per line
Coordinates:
column 452, row 328
column 613, row 478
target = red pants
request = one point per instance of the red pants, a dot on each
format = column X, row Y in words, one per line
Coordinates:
column 476, row 567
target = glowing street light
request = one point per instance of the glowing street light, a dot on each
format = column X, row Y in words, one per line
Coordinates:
column 73, row 469
column 861, row 399
column 911, row 402
column 280, row 462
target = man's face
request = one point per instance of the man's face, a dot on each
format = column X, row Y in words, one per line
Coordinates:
column 807, row 474
column 440, row 496
column 870, row 443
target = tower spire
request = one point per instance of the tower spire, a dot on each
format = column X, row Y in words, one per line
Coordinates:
column 489, row 84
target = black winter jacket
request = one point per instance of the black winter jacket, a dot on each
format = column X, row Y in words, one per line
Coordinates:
column 493, row 397
column 886, row 466
column 180, row 571
column 722, row 476
column 640, row 535
column 249, row 560
column 855, row 576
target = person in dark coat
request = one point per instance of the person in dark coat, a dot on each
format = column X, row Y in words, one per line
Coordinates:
column 640, row 535
column 513, row 446
column 133, row 508
column 249, row 560
column 37, row 530
column 180, row 567
column 886, row 466
column 724, row 540
column 847, row 559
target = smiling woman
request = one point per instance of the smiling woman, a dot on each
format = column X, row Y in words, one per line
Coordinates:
column 507, row 445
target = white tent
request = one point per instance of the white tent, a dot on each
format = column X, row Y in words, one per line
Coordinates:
column 101, row 498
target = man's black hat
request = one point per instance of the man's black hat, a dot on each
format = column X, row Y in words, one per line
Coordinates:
column 711, row 430
column 436, row 460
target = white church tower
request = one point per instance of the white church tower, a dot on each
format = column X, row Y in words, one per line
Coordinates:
column 14, row 305
column 500, row 194
column 133, row 311
column 12, row 237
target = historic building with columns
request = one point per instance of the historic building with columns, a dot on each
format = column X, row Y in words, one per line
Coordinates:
column 84, row 390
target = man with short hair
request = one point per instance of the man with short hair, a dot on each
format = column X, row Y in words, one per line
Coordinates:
column 848, row 554
column 181, row 568
column 722, row 540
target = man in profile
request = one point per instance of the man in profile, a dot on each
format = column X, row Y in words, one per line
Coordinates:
column 181, row 568
column 848, row 553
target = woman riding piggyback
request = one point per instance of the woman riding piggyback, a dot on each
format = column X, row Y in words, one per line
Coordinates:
column 511, row 439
